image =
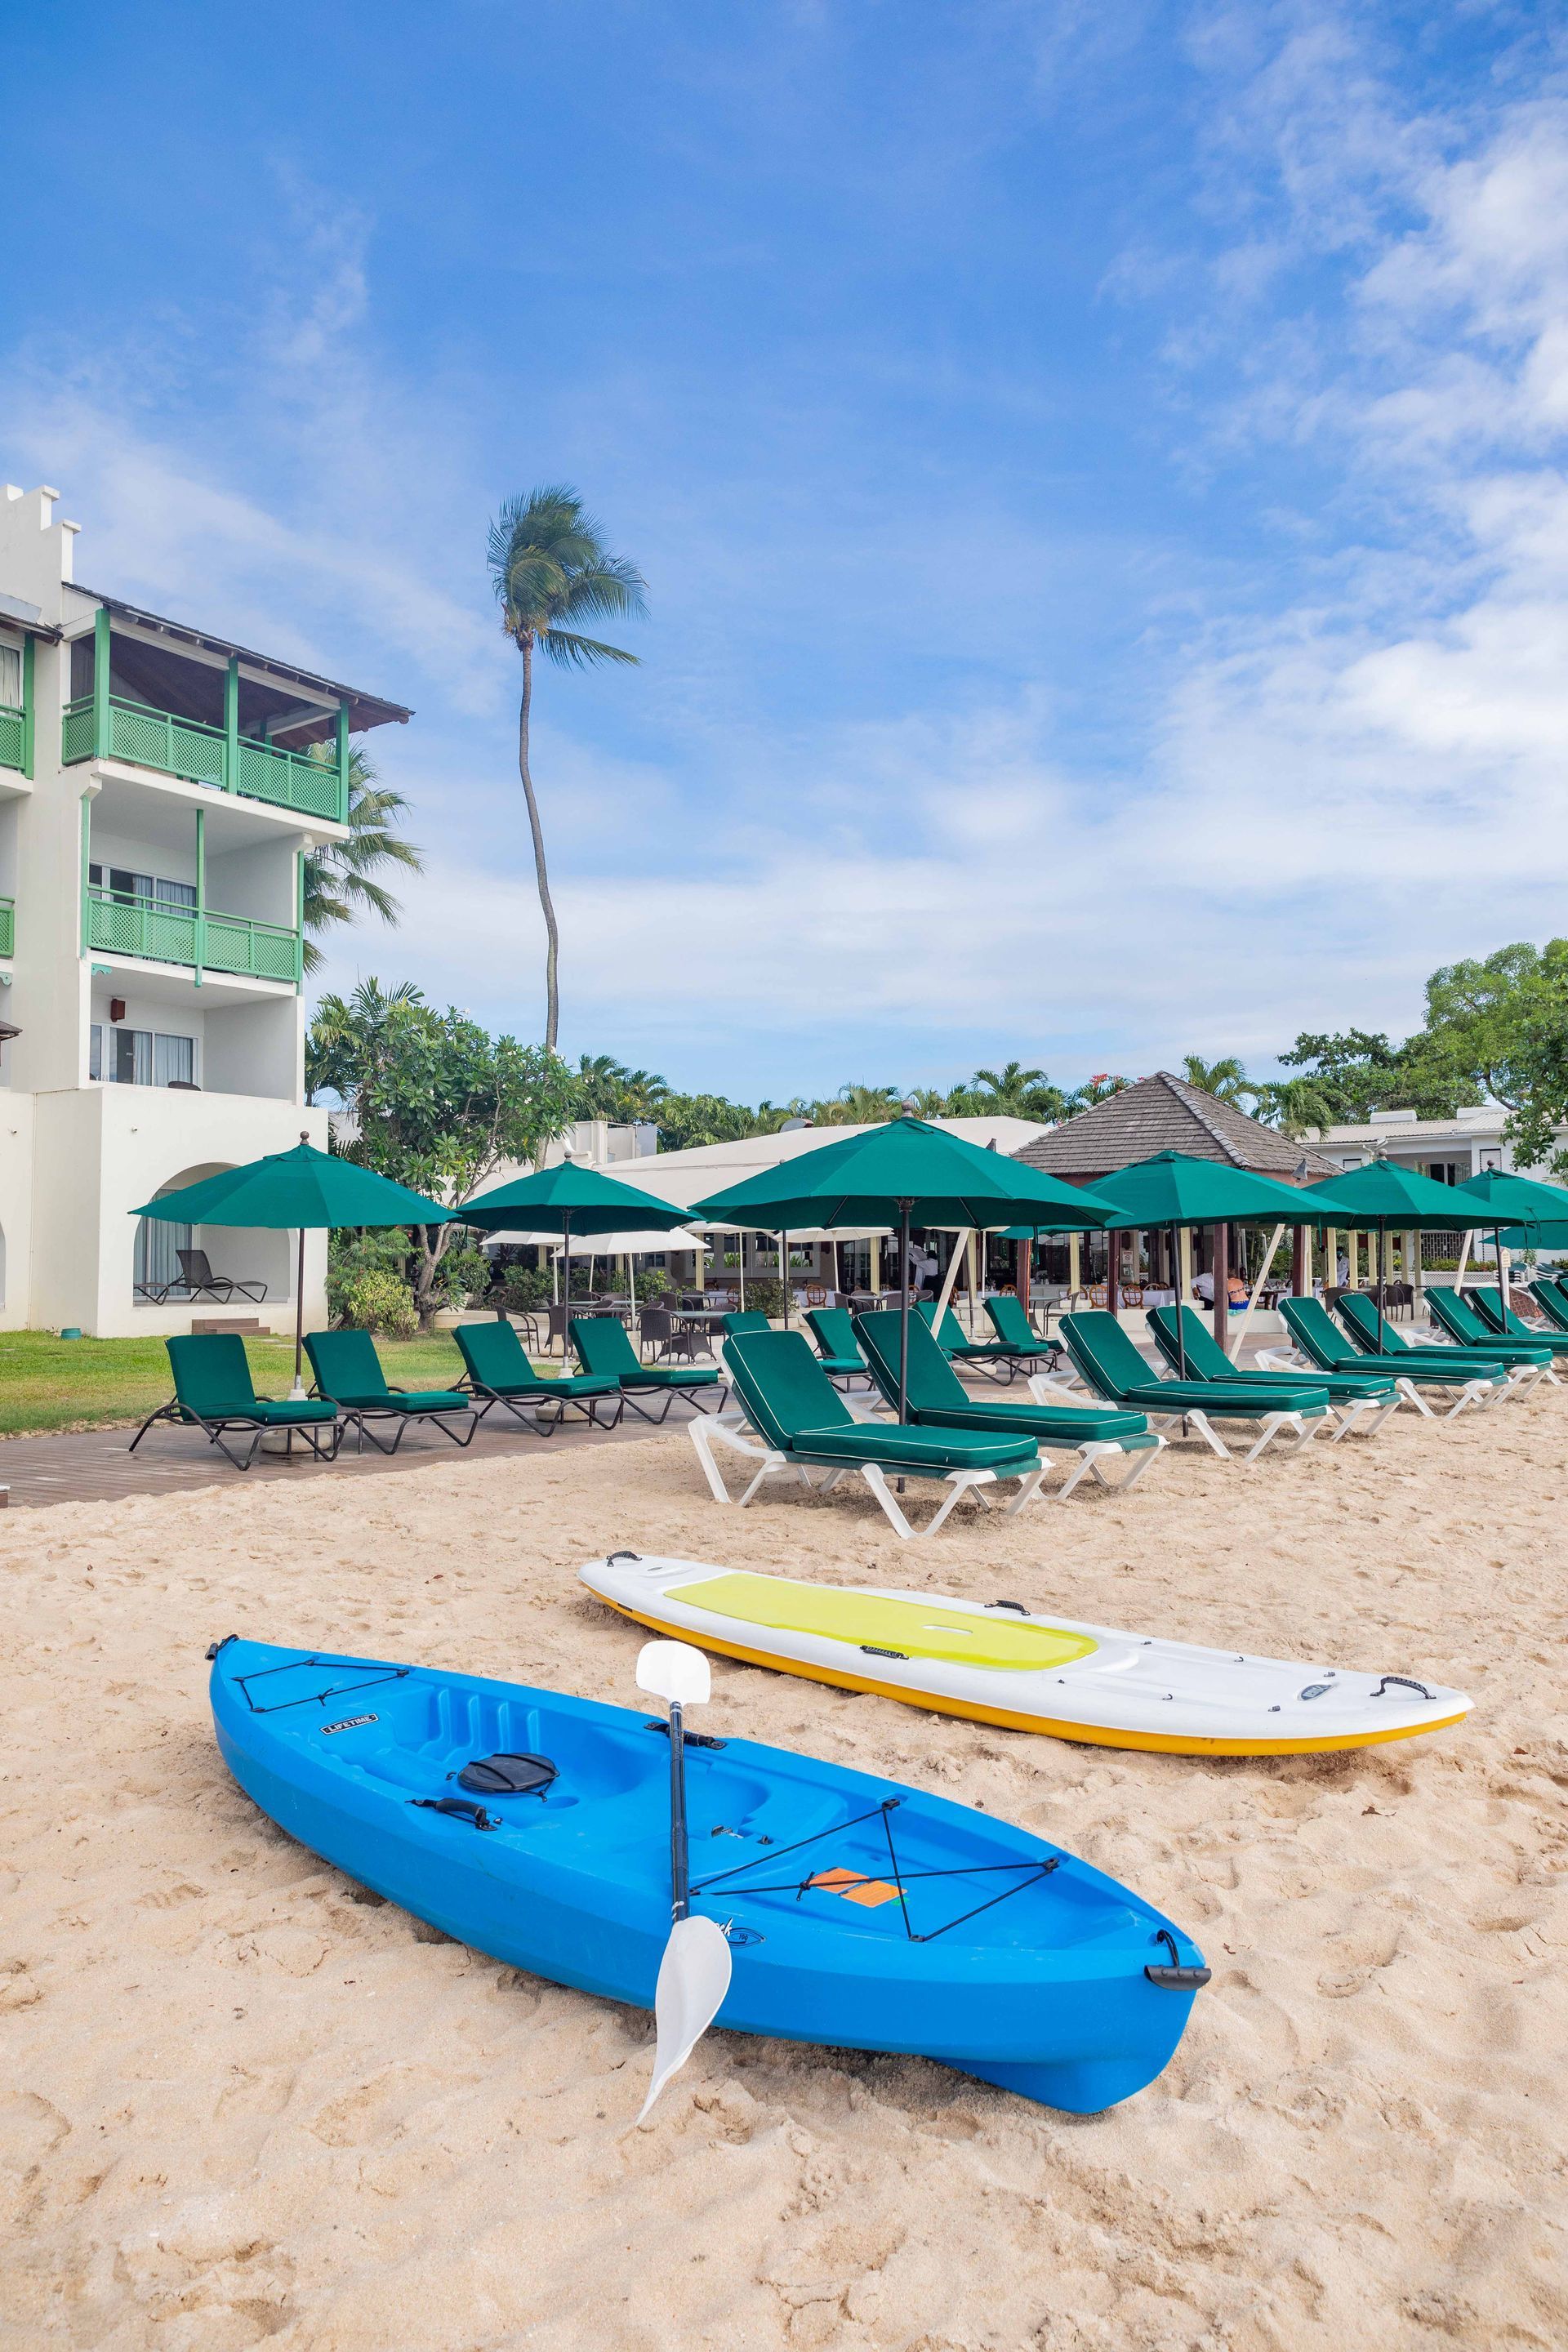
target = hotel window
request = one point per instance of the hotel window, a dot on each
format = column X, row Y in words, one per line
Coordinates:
column 138, row 1057
column 127, row 886
column 11, row 675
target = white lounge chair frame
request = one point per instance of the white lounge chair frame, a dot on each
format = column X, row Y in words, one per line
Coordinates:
column 1305, row 1426
column 729, row 1430
column 1472, row 1394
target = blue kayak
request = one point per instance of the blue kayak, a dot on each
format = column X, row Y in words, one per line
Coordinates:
column 860, row 1912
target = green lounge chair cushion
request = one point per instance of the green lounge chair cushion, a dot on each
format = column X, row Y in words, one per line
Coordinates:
column 799, row 1412
column 1360, row 1317
column 750, row 1318
column 213, row 1382
column 1309, row 1324
column 348, row 1369
column 605, row 1353
column 1108, row 1359
column 1011, row 1327
column 1207, row 1360
column 833, row 1328
column 937, row 1397
column 949, row 1336
column 499, row 1365
column 1502, row 1319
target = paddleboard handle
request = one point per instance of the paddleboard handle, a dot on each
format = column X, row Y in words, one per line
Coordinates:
column 1008, row 1604
column 622, row 1555
column 1405, row 1682
column 1175, row 1977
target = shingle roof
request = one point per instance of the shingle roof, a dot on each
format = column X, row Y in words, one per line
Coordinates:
column 1164, row 1113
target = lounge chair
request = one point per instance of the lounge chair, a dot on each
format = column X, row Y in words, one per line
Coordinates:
column 213, row 1391
column 498, row 1370
column 1549, row 1296
column 803, row 1424
column 606, row 1353
column 1451, row 1314
column 1495, row 1317
column 937, row 1399
column 1193, row 1353
column 198, row 1280
column 347, row 1370
column 749, row 1318
column 1112, row 1367
column 1357, row 1310
column 1014, row 1329
column 994, row 1358
column 1321, row 1345
column 833, row 1328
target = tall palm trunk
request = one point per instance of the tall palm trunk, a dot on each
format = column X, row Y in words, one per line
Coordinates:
column 553, row 941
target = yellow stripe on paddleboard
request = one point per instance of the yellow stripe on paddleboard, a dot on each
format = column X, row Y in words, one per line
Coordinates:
column 1089, row 1734
column 921, row 1628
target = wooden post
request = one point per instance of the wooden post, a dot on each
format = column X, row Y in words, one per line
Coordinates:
column 1301, row 1262
column 1184, row 1266
column 1113, row 1271
column 1221, row 1281
column 1074, row 1265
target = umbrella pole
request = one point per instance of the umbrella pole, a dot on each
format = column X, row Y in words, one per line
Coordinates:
column 565, row 1283
column 904, row 1208
column 298, row 1388
column 1501, row 1269
column 1381, row 1275
column 784, row 1271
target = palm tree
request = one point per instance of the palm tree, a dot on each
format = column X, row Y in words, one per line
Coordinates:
column 549, row 565
column 1225, row 1079
column 607, row 1089
column 1026, row 1093
column 339, row 884
column 859, row 1106
column 1297, row 1106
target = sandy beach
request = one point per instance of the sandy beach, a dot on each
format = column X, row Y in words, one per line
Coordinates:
column 244, row 2103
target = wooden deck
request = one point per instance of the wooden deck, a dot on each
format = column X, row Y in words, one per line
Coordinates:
column 96, row 1465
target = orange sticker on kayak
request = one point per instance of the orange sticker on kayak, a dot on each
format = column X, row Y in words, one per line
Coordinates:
column 856, row 1888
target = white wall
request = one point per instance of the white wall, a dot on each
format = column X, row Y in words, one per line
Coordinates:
column 143, row 1139
column 256, row 1049
column 16, row 1205
column 258, row 882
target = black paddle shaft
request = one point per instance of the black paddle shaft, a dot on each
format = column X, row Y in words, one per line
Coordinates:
column 679, row 1859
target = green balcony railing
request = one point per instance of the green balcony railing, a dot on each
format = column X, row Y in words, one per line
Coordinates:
column 201, row 754
column 13, row 737
column 7, row 927
column 117, row 925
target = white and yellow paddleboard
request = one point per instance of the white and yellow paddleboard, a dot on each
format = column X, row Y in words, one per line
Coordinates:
column 997, row 1662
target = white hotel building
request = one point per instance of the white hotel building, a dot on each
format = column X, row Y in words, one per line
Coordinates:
column 159, row 788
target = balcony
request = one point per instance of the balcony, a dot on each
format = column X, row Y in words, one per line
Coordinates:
column 312, row 784
column 14, row 738
column 7, row 928
column 119, row 925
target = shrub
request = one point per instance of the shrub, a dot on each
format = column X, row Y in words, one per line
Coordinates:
column 463, row 1277
column 523, row 1290
column 764, row 1296
column 376, row 1300
column 351, row 1255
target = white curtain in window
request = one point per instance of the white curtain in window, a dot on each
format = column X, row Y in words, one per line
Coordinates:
column 156, row 1247
column 173, row 1057
column 11, row 675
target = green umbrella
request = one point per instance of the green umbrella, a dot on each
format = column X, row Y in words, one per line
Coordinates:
column 571, row 1199
column 1380, row 1197
column 1521, row 1212
column 881, row 1175
column 1175, row 1189
column 303, row 1188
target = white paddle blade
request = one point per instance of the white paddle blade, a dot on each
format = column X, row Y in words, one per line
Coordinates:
column 674, row 1670
column 693, row 1978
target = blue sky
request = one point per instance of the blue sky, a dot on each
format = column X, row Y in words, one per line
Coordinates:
column 1097, row 473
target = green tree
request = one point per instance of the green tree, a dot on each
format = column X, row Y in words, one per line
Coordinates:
column 857, row 1107
column 1096, row 1089
column 433, row 1101
column 1295, row 1106
column 341, row 882
column 1022, row 1093
column 687, row 1121
column 549, row 567
column 607, row 1089
column 1225, row 1079
column 1499, row 1026
column 1357, row 1071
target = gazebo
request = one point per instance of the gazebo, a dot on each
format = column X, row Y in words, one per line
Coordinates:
column 1164, row 1113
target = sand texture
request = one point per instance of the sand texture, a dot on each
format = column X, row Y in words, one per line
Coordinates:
column 244, row 2103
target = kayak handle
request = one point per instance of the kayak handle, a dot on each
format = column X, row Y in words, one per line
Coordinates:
column 1175, row 1976
column 460, row 1809
column 1405, row 1682
column 1008, row 1604
column 692, row 1738
column 874, row 1650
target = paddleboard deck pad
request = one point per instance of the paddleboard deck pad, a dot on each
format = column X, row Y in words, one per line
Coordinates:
column 860, row 1914
column 998, row 1661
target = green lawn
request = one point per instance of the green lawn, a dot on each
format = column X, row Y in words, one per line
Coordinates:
column 50, row 1383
